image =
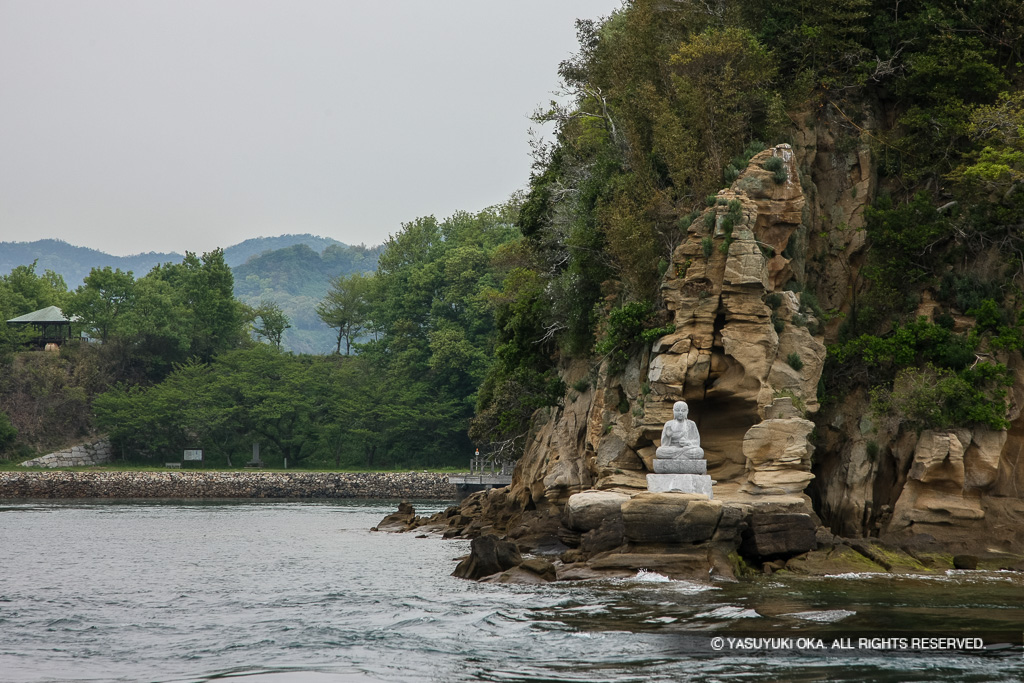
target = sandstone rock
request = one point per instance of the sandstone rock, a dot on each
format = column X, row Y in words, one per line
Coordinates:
column 625, row 479
column 608, row 536
column 518, row 575
column 647, row 456
column 587, row 510
column 583, row 572
column 771, row 536
column 699, row 563
column 731, row 525
column 981, row 461
column 698, row 522
column 670, row 518
column 613, row 453
column 398, row 521
column 651, row 516
column 568, row 476
column 934, row 491
column 939, row 458
column 778, row 456
column 488, row 555
column 781, row 408
column 541, row 567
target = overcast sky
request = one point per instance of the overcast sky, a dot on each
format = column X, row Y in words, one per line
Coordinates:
column 132, row 126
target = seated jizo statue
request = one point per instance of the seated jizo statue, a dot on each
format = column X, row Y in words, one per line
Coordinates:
column 680, row 451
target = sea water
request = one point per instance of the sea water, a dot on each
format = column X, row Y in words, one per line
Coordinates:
column 269, row 592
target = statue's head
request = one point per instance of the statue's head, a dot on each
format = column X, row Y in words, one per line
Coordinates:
column 680, row 410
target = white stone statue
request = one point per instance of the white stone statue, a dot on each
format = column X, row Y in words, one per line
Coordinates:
column 680, row 438
column 679, row 463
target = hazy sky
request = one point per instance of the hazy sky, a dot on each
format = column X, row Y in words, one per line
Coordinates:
column 141, row 125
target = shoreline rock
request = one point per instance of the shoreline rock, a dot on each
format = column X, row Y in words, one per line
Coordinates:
column 683, row 536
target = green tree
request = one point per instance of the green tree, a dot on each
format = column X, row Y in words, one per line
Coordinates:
column 272, row 322
column 722, row 84
column 22, row 291
column 212, row 318
column 106, row 295
column 345, row 308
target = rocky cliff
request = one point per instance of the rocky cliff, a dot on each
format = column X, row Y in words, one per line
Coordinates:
column 747, row 353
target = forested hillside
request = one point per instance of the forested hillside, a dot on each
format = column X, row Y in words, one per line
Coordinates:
column 296, row 278
column 237, row 254
column 173, row 363
column 71, row 262
column 292, row 271
column 74, row 263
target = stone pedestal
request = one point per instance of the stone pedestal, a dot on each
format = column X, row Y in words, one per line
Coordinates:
column 686, row 483
column 680, row 466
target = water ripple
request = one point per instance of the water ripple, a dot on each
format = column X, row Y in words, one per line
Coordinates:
column 273, row 593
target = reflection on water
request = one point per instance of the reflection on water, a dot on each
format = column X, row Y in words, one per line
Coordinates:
column 275, row 592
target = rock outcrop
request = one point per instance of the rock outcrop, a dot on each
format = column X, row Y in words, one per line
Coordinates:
column 488, row 555
column 747, row 353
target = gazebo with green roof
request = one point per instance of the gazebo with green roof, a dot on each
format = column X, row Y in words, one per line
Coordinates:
column 52, row 325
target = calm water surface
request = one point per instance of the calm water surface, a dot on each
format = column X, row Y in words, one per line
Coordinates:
column 276, row 592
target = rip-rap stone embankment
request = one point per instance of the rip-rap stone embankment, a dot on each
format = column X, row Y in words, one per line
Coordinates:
column 198, row 484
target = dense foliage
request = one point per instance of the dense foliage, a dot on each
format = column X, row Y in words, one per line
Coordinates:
column 173, row 363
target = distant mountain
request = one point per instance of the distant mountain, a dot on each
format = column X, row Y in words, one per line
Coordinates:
column 295, row 271
column 240, row 253
column 74, row 263
column 297, row 278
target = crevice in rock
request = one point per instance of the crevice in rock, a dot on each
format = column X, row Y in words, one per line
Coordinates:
column 884, row 492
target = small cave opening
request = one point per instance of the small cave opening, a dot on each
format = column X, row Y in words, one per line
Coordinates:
column 717, row 328
column 722, row 422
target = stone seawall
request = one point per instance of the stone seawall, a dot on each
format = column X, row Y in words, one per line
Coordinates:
column 61, row 484
column 85, row 455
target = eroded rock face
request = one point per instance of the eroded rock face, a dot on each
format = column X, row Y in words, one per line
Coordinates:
column 670, row 518
column 772, row 536
column 934, row 492
column 740, row 342
column 778, row 456
column 588, row 510
column 742, row 351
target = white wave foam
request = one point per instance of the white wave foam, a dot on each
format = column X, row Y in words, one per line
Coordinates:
column 822, row 616
column 729, row 612
column 650, row 577
column 661, row 620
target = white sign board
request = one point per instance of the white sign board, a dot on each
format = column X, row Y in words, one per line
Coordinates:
column 194, row 455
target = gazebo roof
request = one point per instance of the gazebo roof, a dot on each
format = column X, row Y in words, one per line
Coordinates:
column 50, row 314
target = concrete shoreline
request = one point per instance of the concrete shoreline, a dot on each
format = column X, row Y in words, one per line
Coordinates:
column 199, row 484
